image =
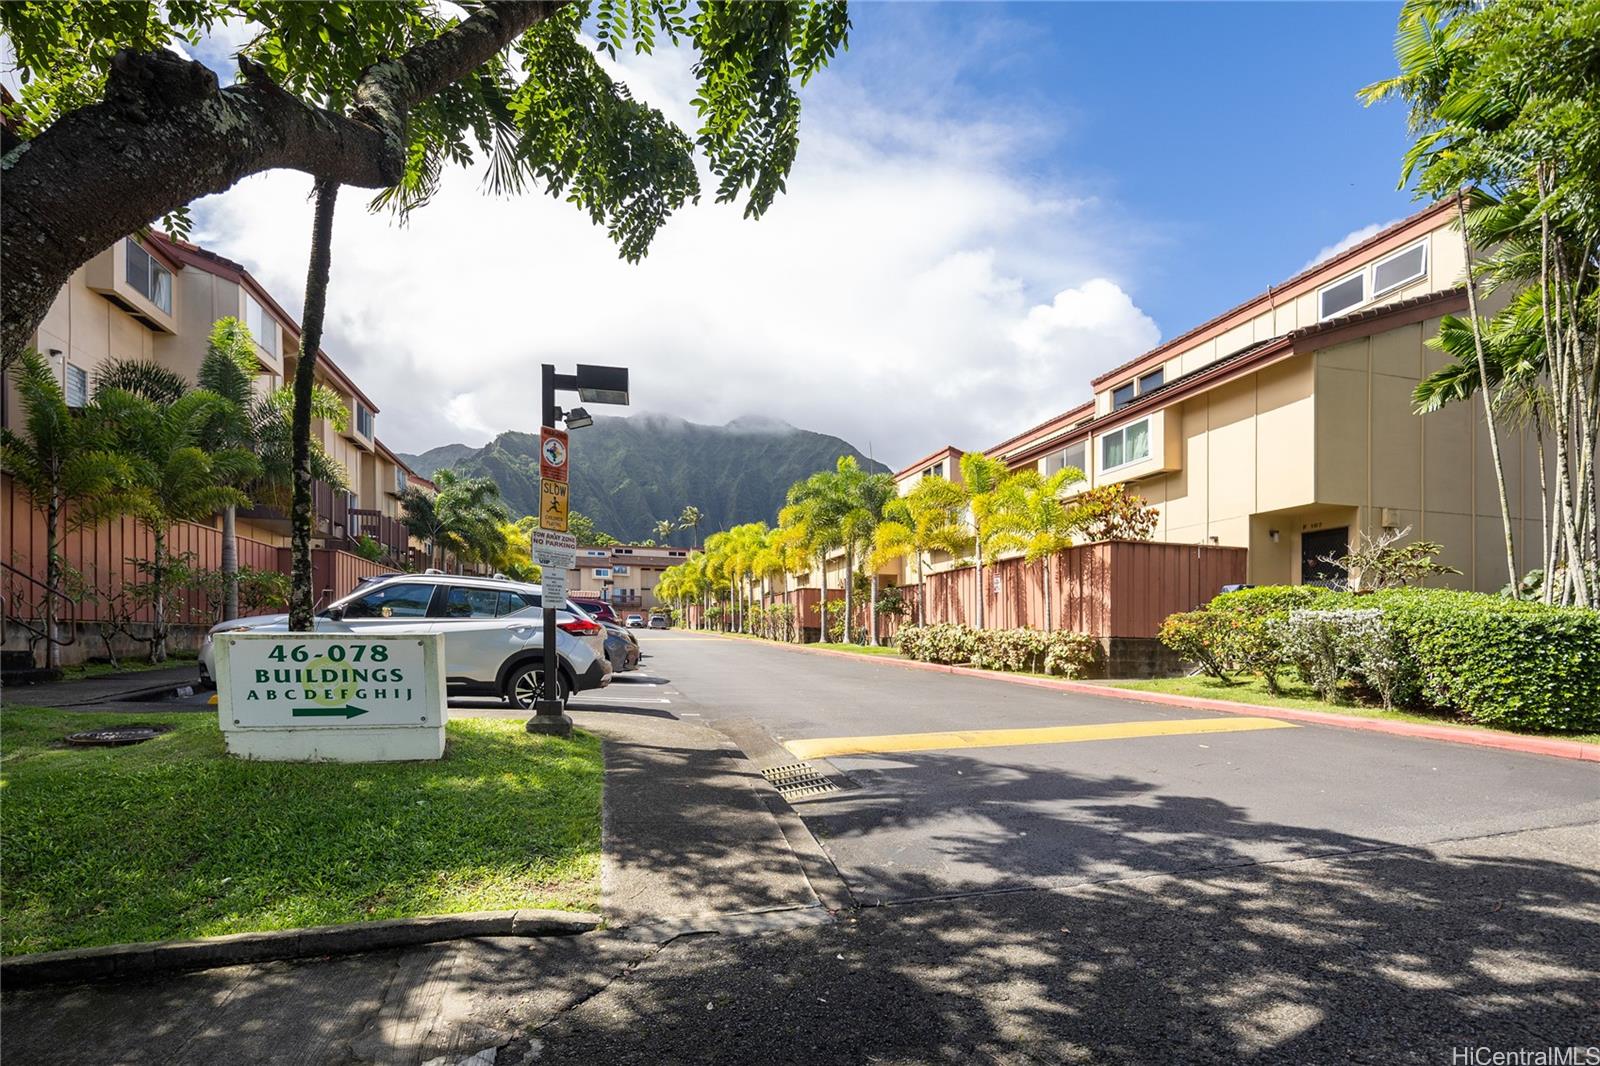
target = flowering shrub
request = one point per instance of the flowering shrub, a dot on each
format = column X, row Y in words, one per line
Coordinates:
column 1326, row 645
column 1020, row 650
column 1201, row 637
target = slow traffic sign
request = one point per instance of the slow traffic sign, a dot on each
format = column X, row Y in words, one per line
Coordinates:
column 553, row 505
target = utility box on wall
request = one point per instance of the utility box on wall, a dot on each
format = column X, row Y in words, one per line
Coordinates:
column 336, row 697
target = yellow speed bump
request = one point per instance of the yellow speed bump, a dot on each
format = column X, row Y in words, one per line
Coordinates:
column 824, row 747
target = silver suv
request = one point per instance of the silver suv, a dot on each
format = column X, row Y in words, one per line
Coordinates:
column 493, row 630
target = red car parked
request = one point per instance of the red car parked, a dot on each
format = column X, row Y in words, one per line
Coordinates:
column 599, row 609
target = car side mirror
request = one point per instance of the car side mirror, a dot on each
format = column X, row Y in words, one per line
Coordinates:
column 334, row 614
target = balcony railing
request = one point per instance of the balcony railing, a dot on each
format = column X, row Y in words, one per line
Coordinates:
column 387, row 531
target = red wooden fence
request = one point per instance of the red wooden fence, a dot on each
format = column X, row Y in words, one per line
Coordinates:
column 101, row 554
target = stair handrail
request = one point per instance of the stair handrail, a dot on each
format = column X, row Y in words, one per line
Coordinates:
column 39, row 630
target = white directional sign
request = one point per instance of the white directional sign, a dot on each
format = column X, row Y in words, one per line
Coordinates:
column 338, row 696
column 553, row 584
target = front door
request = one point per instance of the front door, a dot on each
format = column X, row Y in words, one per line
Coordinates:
column 1318, row 549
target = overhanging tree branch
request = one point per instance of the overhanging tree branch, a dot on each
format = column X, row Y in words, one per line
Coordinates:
column 166, row 134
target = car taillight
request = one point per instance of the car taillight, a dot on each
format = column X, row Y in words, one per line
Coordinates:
column 580, row 627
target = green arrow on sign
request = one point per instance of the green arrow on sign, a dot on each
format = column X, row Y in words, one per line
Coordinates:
column 346, row 711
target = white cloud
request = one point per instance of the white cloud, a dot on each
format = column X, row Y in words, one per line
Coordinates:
column 1349, row 240
column 910, row 289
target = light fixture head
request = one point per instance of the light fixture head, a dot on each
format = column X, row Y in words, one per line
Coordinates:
column 602, row 384
column 577, row 418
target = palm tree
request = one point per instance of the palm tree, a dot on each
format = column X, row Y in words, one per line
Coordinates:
column 1029, row 516
column 174, row 477
column 263, row 424
column 870, row 494
column 816, row 511
column 691, row 519
column 65, row 460
column 925, row 520
column 981, row 476
column 465, row 516
column 664, row 530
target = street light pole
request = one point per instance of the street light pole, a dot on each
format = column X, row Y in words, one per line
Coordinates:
column 549, row 714
column 593, row 384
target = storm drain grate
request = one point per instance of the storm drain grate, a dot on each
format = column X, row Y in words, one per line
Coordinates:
column 798, row 779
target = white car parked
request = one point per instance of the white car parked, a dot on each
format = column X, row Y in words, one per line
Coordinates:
column 493, row 630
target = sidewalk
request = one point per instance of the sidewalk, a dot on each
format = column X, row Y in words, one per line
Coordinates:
column 109, row 688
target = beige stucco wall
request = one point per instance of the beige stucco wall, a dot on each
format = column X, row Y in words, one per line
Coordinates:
column 89, row 329
column 1433, row 473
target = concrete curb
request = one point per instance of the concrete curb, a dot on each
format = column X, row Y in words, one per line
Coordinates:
column 1550, row 746
column 134, row 960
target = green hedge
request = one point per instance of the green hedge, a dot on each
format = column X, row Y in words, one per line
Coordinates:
column 1486, row 658
column 1500, row 661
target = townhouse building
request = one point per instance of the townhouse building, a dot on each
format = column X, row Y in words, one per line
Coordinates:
column 624, row 575
column 156, row 298
column 1285, row 425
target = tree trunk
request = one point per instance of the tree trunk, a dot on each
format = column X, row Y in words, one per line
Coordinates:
column 872, row 612
column 822, row 632
column 158, row 578
column 1483, row 388
column 230, row 563
column 977, row 563
column 302, row 598
column 1047, row 619
column 849, row 589
column 52, row 580
column 165, row 135
column 922, row 590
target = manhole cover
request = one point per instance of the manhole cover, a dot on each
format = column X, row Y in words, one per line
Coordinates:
column 798, row 779
column 109, row 738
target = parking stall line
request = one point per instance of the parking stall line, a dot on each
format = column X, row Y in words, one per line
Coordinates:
column 826, row 747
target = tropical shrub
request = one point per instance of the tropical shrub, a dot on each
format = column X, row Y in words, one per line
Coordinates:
column 1018, row 650
column 1485, row 658
column 833, row 628
column 1201, row 637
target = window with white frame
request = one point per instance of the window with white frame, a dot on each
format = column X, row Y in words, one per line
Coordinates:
column 263, row 327
column 1124, row 445
column 399, row 480
column 936, row 470
column 1073, row 455
column 77, row 386
column 364, row 420
column 1392, row 272
column 148, row 277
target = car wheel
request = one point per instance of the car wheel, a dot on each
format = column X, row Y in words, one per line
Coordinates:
column 524, row 686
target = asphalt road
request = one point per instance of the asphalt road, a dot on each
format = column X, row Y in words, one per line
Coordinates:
column 1288, row 895
column 978, row 819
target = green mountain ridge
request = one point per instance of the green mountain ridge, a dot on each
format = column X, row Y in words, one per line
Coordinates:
column 629, row 473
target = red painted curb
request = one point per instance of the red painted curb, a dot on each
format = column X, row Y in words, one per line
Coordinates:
column 1560, row 749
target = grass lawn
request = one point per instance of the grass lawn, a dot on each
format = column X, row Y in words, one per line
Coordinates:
column 124, row 666
column 1301, row 697
column 172, row 838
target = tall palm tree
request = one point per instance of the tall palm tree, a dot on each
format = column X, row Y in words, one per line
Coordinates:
column 262, row 423
column 67, row 468
column 981, row 477
column 870, row 494
column 664, row 530
column 690, row 519
column 1030, row 516
column 174, row 477
column 925, row 520
column 816, row 508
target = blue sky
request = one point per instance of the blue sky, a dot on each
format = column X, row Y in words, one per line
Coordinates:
column 1228, row 135
column 992, row 205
